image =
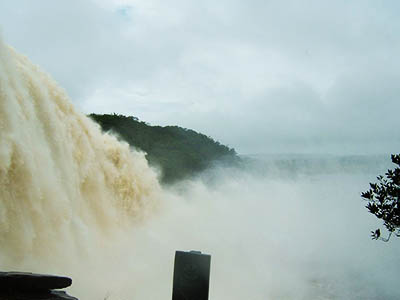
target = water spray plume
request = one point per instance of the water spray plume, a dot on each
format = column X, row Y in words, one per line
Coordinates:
column 63, row 183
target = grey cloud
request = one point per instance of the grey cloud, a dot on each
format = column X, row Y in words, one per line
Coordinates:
column 261, row 76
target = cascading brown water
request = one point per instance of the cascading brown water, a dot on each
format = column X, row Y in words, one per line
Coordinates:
column 62, row 182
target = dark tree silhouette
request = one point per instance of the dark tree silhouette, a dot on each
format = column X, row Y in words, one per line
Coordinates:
column 384, row 201
column 180, row 153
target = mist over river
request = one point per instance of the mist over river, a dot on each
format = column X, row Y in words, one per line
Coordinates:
column 290, row 227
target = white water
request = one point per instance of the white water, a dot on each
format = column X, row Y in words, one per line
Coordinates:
column 63, row 184
column 76, row 202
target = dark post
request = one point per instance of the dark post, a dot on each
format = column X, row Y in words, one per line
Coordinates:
column 191, row 276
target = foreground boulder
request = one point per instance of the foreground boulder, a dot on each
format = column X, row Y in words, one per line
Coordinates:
column 30, row 286
column 32, row 282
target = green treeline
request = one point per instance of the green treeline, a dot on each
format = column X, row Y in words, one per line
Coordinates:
column 179, row 152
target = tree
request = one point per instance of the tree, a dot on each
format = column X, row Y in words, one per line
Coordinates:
column 180, row 153
column 384, row 200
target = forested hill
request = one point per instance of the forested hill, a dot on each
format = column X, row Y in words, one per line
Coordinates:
column 179, row 152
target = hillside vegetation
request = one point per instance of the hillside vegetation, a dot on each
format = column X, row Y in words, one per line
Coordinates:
column 179, row 152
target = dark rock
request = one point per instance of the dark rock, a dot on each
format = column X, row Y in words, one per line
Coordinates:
column 20, row 281
column 46, row 295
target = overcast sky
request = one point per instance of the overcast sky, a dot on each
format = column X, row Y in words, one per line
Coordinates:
column 262, row 76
